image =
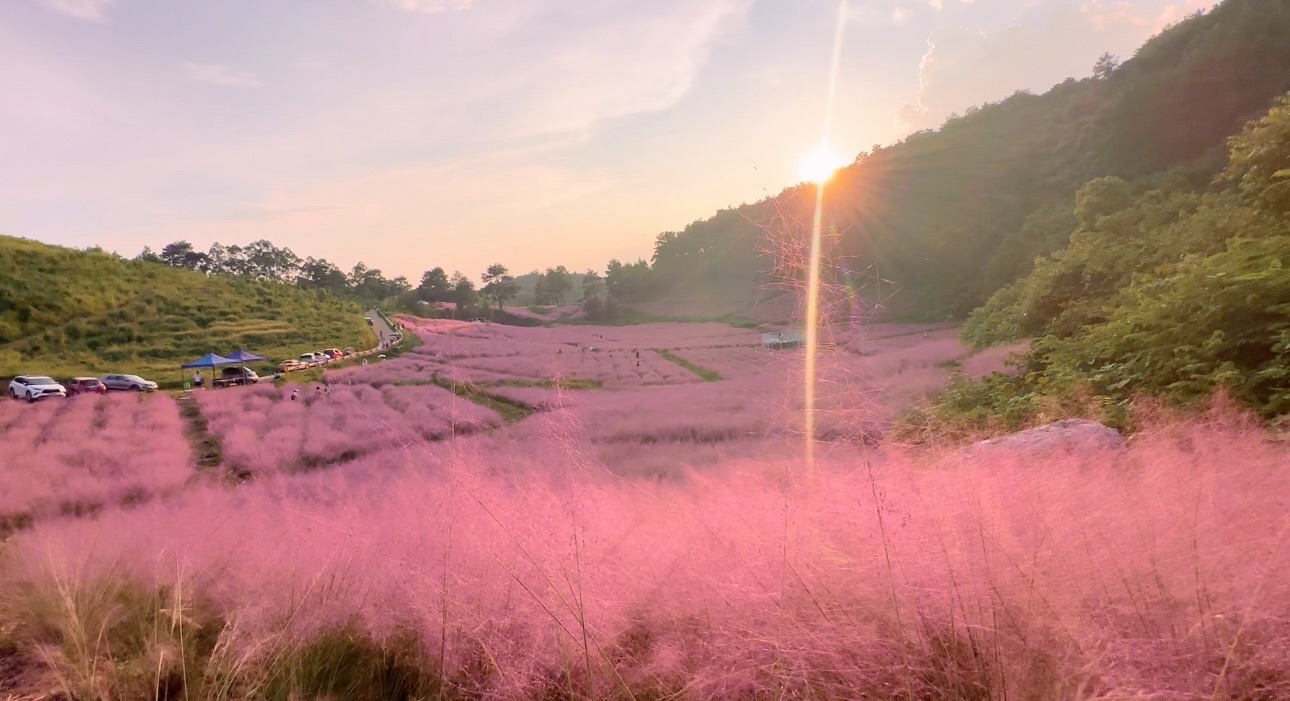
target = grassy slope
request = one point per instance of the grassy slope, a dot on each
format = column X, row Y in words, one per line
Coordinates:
column 66, row 312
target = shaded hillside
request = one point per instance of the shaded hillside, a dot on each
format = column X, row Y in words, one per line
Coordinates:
column 1162, row 293
column 1167, row 293
column 952, row 215
column 65, row 311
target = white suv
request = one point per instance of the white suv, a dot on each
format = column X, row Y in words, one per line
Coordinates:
column 33, row 387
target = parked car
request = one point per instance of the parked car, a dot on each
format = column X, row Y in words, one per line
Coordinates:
column 33, row 387
column 322, row 357
column 289, row 365
column 333, row 353
column 132, row 383
column 348, row 351
column 85, row 385
column 309, row 360
column 236, row 376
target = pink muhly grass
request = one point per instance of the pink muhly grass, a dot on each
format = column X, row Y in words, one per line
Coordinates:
column 264, row 432
column 1160, row 570
column 83, row 453
column 483, row 353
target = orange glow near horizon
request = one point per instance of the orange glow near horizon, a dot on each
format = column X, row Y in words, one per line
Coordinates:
column 820, row 163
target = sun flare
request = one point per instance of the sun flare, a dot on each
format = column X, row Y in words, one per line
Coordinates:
column 820, row 163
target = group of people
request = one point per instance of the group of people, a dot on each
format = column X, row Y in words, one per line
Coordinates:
column 319, row 390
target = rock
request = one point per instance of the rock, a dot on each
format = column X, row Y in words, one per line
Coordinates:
column 1067, row 435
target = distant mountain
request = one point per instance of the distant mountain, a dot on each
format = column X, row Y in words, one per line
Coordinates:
column 947, row 217
column 64, row 311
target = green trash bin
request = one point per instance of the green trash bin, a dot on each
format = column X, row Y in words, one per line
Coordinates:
column 188, row 386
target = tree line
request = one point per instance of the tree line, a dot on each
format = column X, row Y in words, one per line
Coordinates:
column 600, row 294
column 263, row 261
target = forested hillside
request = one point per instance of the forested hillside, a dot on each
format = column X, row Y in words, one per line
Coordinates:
column 66, row 311
column 1164, row 292
column 950, row 216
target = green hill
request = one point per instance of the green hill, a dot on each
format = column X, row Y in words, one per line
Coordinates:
column 66, row 312
column 952, row 215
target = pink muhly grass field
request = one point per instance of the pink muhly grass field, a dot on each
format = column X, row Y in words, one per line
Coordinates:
column 485, row 353
column 79, row 454
column 619, row 367
column 263, row 430
column 1159, row 571
column 455, row 338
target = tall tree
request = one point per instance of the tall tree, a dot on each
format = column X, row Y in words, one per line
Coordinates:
column 559, row 283
column 499, row 286
column 371, row 285
column 541, row 291
column 268, row 262
column 629, row 282
column 148, row 255
column 319, row 273
column 593, row 286
column 435, row 286
column 180, row 254
column 1105, row 66
column 463, row 293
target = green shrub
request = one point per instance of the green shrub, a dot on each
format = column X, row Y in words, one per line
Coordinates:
column 345, row 663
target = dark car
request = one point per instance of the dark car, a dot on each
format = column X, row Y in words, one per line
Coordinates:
column 237, row 376
column 85, row 385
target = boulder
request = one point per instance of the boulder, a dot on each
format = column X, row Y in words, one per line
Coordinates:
column 1067, row 436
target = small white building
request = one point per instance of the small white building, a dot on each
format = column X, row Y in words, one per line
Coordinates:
column 789, row 338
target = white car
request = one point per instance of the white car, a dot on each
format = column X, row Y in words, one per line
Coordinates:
column 33, row 387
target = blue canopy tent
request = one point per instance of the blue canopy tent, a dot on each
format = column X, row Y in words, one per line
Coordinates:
column 244, row 357
column 210, row 360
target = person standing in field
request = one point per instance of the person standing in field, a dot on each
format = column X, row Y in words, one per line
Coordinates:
column 197, row 379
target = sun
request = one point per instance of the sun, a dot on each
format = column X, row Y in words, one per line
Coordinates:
column 819, row 164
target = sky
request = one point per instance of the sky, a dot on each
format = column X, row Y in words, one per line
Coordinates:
column 410, row 134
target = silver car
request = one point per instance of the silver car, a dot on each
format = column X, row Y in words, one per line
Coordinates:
column 133, row 383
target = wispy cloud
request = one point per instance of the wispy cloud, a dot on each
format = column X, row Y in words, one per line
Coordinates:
column 424, row 6
column 89, row 10
column 217, row 74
